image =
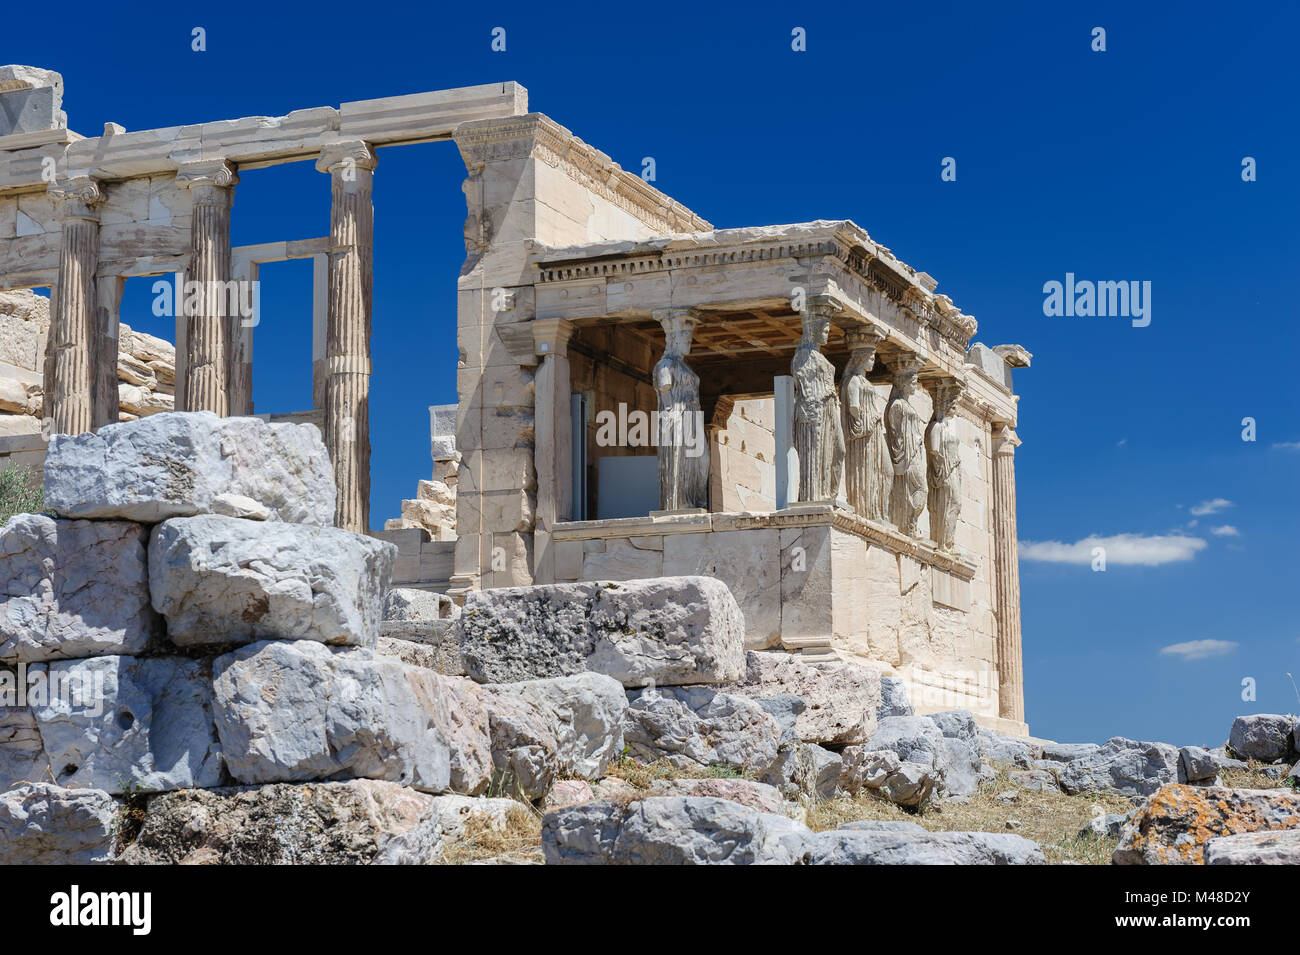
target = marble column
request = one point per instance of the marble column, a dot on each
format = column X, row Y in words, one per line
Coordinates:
column 351, row 168
column 818, row 432
column 1011, row 703
column 70, row 374
column 208, row 332
column 682, row 441
column 553, row 440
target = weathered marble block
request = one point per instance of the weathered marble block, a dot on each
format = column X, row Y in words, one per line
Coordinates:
column 840, row 699
column 226, row 580
column 289, row 711
column 666, row 631
column 545, row 730
column 357, row 822
column 175, row 464
column 120, row 724
column 72, row 589
column 697, row 726
column 41, row 824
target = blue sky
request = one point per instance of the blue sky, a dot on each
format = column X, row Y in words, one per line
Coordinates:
column 1122, row 165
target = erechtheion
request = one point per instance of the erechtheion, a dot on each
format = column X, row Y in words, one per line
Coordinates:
column 789, row 408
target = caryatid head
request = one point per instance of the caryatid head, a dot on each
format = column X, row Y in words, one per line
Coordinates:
column 905, row 369
column 679, row 329
column 862, row 344
column 944, row 394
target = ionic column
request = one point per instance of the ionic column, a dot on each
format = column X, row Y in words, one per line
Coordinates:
column 553, row 441
column 70, row 375
column 347, row 334
column 1011, row 702
column 208, row 334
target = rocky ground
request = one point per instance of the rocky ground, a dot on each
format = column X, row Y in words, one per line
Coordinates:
column 226, row 679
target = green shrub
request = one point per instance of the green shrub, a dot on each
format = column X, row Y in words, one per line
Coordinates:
column 20, row 492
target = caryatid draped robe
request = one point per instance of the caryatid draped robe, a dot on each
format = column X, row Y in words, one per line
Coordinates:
column 944, row 449
column 818, row 437
column 905, row 435
column 683, row 478
column 868, row 471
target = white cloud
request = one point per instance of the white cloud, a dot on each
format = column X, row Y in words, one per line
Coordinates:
column 1199, row 649
column 1211, row 507
column 1226, row 530
column 1148, row 551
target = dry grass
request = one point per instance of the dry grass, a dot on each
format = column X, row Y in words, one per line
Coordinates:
column 1252, row 778
column 1052, row 819
column 520, row 840
column 643, row 775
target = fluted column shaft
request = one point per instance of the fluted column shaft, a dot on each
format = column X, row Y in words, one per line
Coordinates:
column 207, row 330
column 1011, row 701
column 347, row 335
column 70, row 375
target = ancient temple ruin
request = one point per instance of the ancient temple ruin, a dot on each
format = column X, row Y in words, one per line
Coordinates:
column 789, row 408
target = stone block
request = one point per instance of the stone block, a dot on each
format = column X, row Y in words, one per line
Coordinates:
column 225, row 580
column 671, row 630
column 173, row 465
column 73, row 589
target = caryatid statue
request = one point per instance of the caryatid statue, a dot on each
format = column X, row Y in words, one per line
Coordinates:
column 905, row 436
column 818, row 437
column 943, row 448
column 868, row 472
column 683, row 452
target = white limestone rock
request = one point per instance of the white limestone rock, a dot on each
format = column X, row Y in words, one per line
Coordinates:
column 1121, row 765
column 221, row 580
column 668, row 630
column 22, row 754
column 671, row 830
column 129, row 724
column 693, row 726
column 1262, row 736
column 288, row 711
column 41, row 824
column 1255, row 848
column 236, row 505
column 1008, row 750
column 541, row 730
column 421, row 616
column 468, row 734
column 585, row 709
column 746, row 792
column 72, row 589
column 357, row 822
column 893, row 698
column 867, row 847
column 176, row 464
column 840, row 699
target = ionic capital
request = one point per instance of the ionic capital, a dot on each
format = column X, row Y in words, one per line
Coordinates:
column 340, row 159
column 214, row 173
column 1005, row 440
column 77, row 196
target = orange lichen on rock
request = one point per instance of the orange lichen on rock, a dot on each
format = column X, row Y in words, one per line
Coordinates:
column 1177, row 821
